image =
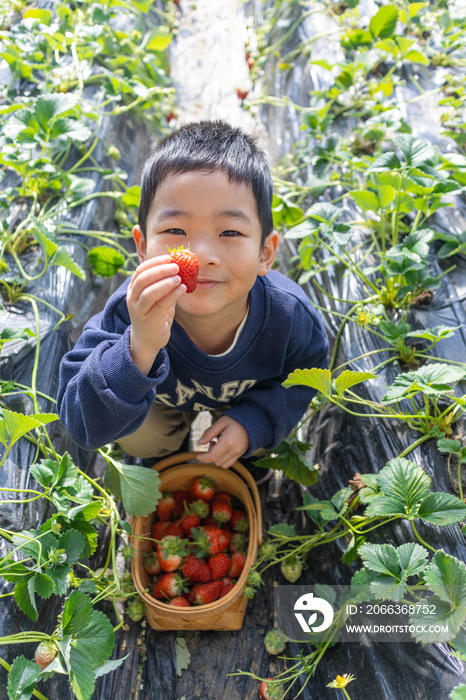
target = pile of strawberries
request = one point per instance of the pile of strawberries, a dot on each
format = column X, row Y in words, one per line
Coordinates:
column 200, row 544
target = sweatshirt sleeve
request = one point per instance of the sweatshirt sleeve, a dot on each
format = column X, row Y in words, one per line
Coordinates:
column 102, row 395
column 268, row 411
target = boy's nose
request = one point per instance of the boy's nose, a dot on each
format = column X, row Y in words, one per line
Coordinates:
column 205, row 253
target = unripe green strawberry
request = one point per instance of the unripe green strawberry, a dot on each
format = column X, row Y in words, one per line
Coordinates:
column 188, row 266
column 275, row 641
column 45, row 654
column 136, row 609
column 267, row 691
column 291, row 568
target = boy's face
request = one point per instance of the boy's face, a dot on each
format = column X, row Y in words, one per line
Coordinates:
column 218, row 219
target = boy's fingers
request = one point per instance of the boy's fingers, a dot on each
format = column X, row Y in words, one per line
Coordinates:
column 142, row 279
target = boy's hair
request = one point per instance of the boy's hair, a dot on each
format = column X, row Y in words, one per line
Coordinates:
column 209, row 145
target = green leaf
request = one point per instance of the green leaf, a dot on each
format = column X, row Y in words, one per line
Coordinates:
column 77, row 613
column 381, row 558
column 43, row 585
column 25, row 599
column 431, row 379
column 22, row 678
column 91, row 647
column 403, row 485
column 416, row 56
column 156, row 41
column 109, row 666
column 13, row 571
column 451, row 446
column 387, row 161
column 44, row 16
column 394, row 331
column 348, row 378
column 434, row 334
column 458, row 693
column 283, row 529
column 50, row 106
column 105, row 261
column 55, row 253
column 182, row 655
column 446, row 578
column 415, row 151
column 319, row 379
column 132, row 196
column 139, row 487
column 73, row 542
column 383, row 23
column 442, row 509
column 326, row 510
column 14, row 425
column 367, row 201
column 323, row 212
column 413, row 558
column 290, row 457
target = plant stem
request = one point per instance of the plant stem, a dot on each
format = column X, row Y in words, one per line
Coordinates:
column 423, row 542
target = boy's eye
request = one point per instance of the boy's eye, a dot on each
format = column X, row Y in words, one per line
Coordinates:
column 230, row 234
column 175, row 231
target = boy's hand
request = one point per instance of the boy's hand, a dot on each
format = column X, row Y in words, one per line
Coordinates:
column 151, row 297
column 232, row 443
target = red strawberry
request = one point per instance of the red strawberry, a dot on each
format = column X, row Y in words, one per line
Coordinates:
column 180, row 602
column 196, row 570
column 203, row 487
column 175, row 528
column 182, row 499
column 226, row 589
column 219, row 565
column 152, row 565
column 188, row 266
column 238, row 561
column 222, row 496
column 170, row 553
column 239, row 521
column 169, row 585
column 221, row 511
column 210, row 540
column 207, row 592
column 165, row 506
column 159, row 529
column 193, row 514
column 242, row 93
column 45, row 654
column 268, row 691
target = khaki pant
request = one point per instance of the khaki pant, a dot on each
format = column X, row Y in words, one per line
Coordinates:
column 162, row 433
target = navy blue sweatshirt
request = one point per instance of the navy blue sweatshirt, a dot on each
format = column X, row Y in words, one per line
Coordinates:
column 103, row 396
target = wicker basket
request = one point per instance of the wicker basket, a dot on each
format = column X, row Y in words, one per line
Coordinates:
column 176, row 473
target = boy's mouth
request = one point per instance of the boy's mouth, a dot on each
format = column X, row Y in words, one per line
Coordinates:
column 205, row 283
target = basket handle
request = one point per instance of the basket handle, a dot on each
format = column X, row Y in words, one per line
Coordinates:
column 182, row 457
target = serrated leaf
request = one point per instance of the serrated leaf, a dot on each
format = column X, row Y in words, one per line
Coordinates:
column 77, row 613
column 412, row 558
column 63, row 258
column 325, row 508
column 387, row 161
column 43, row 585
column 431, row 379
column 73, row 542
column 22, row 678
column 366, row 200
column 415, row 151
column 383, row 23
column 109, row 666
column 434, row 334
column 13, row 571
column 48, row 107
column 450, row 446
column 290, row 458
column 319, row 379
column 394, row 331
column 437, row 622
column 403, row 485
column 348, row 378
column 381, row 558
column 139, row 487
column 105, row 261
column 182, row 655
column 323, row 212
column 416, row 56
column 283, row 529
column 90, row 649
column 14, row 425
column 442, row 509
column 25, row 598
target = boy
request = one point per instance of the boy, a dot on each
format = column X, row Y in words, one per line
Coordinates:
column 156, row 355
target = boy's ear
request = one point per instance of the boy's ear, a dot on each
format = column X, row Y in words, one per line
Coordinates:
column 141, row 243
column 267, row 256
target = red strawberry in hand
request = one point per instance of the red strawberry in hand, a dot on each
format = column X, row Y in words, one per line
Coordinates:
column 188, row 266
